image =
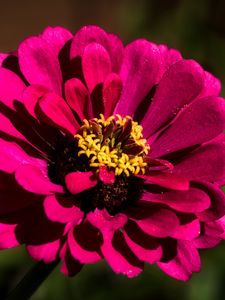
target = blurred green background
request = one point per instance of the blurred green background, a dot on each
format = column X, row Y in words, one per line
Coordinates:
column 197, row 29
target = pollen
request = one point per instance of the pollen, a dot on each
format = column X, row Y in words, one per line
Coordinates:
column 114, row 142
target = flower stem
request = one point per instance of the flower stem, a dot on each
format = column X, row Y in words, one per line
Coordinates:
column 31, row 281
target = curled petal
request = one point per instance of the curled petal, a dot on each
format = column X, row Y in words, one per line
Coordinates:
column 184, row 264
column 77, row 182
column 58, row 209
column 36, row 181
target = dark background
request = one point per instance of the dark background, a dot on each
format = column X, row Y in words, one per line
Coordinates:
column 197, row 29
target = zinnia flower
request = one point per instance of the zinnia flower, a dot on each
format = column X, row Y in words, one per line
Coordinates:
column 110, row 152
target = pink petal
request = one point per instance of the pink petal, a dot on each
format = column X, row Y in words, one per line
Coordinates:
column 188, row 229
column 180, row 85
column 78, row 98
column 217, row 207
column 3, row 56
column 210, row 237
column 47, row 252
column 161, row 223
column 168, row 180
column 105, row 222
column 85, row 36
column 108, row 224
column 120, row 257
column 39, row 64
column 77, row 182
column 12, row 156
column 116, row 51
column 56, row 37
column 145, row 247
column 205, row 163
column 96, row 65
column 193, row 200
column 11, row 87
column 7, row 127
column 7, row 236
column 139, row 72
column 108, row 177
column 84, row 236
column 188, row 129
column 70, row 266
column 112, row 88
column 186, row 262
column 35, row 180
column 59, row 209
column 31, row 95
column 95, row 34
column 212, row 85
column 58, row 112
column 168, row 57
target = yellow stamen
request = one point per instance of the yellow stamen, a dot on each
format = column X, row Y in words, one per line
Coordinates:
column 111, row 154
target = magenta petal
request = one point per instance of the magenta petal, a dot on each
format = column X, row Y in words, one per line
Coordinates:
column 189, row 128
column 117, row 261
column 46, row 252
column 83, row 255
column 161, row 223
column 108, row 177
column 105, row 222
column 11, row 87
column 95, row 34
column 150, row 256
column 7, row 236
column 217, row 207
column 78, row 98
column 192, row 200
column 56, row 37
column 85, row 36
column 3, row 56
column 205, row 163
column 35, row 180
column 7, row 127
column 168, row 57
column 39, row 64
column 186, row 262
column 139, row 71
column 77, row 182
column 12, row 156
column 31, row 95
column 145, row 247
column 211, row 236
column 188, row 230
column 70, row 266
column 212, row 85
column 108, row 224
column 57, row 210
column 180, row 85
column 58, row 112
column 168, row 180
column 115, row 51
column 112, row 88
column 96, row 65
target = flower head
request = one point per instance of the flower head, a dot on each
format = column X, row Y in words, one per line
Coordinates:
column 110, row 152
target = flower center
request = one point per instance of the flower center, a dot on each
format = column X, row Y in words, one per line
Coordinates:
column 114, row 142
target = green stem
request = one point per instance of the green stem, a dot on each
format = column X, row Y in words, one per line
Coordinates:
column 31, row 281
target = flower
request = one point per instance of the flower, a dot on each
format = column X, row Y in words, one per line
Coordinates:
column 110, row 152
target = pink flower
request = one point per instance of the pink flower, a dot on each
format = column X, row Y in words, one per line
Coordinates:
column 110, row 152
